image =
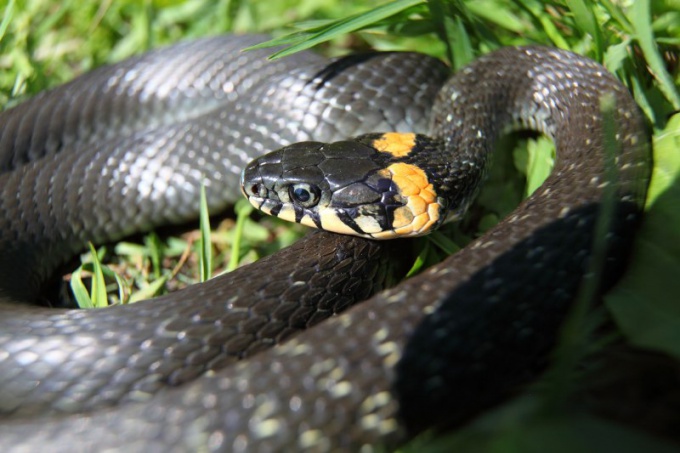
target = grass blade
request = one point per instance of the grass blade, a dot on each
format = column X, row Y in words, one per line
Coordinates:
column 444, row 243
column 243, row 209
column 618, row 15
column 79, row 290
column 540, row 156
column 99, row 297
column 587, row 23
column 150, row 290
column 6, row 18
column 546, row 23
column 420, row 260
column 204, row 244
column 307, row 39
column 642, row 21
column 155, row 249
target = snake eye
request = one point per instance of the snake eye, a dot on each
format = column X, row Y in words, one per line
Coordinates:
column 304, row 195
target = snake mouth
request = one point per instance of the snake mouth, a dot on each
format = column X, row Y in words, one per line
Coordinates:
column 263, row 204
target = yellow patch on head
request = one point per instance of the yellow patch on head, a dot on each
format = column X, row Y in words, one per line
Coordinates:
column 422, row 209
column 402, row 217
column 398, row 144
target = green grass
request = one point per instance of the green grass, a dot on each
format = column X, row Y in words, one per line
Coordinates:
column 44, row 43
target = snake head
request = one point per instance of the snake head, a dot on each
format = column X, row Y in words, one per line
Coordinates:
column 357, row 187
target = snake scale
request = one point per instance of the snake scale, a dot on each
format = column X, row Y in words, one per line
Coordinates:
column 124, row 148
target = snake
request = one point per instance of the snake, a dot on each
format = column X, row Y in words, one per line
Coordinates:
column 305, row 349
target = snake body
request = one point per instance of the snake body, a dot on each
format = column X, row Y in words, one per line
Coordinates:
column 426, row 353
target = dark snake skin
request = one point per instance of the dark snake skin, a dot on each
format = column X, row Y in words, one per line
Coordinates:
column 430, row 352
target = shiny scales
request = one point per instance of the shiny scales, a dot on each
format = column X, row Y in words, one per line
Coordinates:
column 156, row 376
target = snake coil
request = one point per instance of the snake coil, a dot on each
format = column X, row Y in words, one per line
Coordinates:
column 123, row 148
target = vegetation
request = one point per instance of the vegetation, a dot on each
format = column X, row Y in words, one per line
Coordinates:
column 43, row 43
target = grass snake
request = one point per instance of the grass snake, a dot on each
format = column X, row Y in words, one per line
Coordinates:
column 124, row 148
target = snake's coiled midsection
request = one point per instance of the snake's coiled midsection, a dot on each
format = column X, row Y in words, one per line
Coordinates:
column 371, row 375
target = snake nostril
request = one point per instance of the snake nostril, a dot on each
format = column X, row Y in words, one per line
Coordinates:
column 255, row 189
